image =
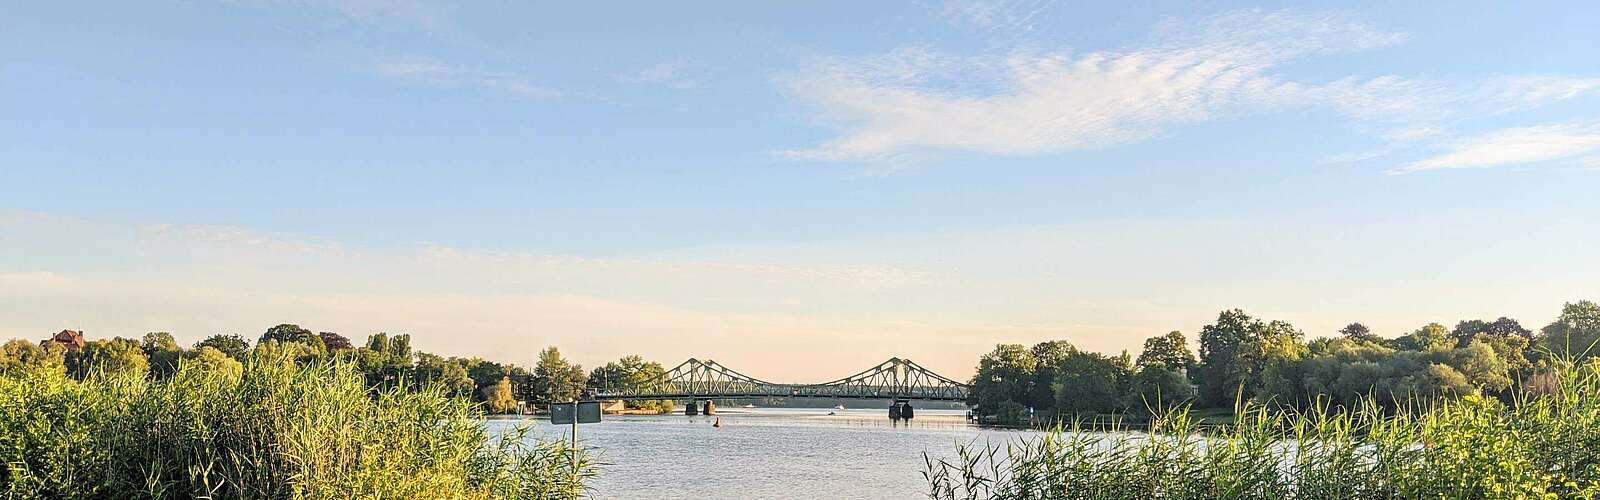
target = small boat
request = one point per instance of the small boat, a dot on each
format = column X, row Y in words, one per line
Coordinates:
column 840, row 407
column 749, row 406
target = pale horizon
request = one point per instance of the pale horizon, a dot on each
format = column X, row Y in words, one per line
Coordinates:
column 795, row 193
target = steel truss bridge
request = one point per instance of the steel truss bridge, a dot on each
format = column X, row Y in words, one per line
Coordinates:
column 895, row 379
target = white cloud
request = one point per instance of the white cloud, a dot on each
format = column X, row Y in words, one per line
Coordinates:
column 433, row 71
column 1008, row 16
column 1027, row 103
column 1513, row 146
column 1024, row 102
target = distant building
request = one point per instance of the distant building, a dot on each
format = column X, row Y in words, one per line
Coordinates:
column 72, row 340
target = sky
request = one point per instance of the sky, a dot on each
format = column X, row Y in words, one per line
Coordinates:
column 797, row 190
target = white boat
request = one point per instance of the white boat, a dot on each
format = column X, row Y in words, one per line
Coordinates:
column 749, row 406
column 840, row 407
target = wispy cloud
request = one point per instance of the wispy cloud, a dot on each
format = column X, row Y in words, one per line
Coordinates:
column 1026, row 103
column 679, row 73
column 1513, row 146
column 433, row 71
column 1008, row 16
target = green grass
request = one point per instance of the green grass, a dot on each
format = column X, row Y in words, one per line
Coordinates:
column 1544, row 446
column 275, row 429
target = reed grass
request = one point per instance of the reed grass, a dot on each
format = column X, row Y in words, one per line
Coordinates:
column 1535, row 446
column 273, row 429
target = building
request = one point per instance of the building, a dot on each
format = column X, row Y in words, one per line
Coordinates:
column 72, row 340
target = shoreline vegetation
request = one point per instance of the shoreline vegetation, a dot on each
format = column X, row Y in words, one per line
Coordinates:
column 1488, row 409
column 267, row 427
column 1542, row 444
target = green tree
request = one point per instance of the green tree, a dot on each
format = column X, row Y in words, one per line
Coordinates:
column 162, row 352
column 556, row 380
column 1004, row 375
column 1236, row 350
column 448, row 374
column 1047, row 359
column 1431, row 337
column 498, row 398
column 1092, row 383
column 1360, row 333
column 631, row 373
column 234, row 345
column 109, row 356
column 286, row 333
column 18, row 356
column 335, row 342
column 385, row 359
column 1155, row 387
column 1226, row 347
column 1170, row 350
column 211, row 358
column 1575, row 333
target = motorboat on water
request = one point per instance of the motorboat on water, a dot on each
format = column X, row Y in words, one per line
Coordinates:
column 839, row 407
column 748, row 406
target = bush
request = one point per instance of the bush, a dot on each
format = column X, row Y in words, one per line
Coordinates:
column 271, row 428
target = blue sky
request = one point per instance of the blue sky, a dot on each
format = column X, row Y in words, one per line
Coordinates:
column 728, row 179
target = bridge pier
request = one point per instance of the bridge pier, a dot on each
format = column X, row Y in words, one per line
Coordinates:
column 700, row 407
column 901, row 409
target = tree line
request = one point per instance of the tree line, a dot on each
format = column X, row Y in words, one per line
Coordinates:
column 386, row 361
column 1241, row 358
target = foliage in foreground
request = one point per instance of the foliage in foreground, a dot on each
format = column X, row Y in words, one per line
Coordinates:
column 269, row 428
column 1537, row 446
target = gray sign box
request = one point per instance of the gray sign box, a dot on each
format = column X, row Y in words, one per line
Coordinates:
column 588, row 413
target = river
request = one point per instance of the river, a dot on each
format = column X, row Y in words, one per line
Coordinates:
column 769, row 452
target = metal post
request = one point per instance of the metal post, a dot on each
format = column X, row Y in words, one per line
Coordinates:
column 574, row 450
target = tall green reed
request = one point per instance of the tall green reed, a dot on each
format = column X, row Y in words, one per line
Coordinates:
column 273, row 429
column 1535, row 446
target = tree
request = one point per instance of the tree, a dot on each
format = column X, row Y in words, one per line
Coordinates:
column 234, row 345
column 1467, row 331
column 1156, row 387
column 334, row 341
column 1360, row 333
column 1004, row 374
column 109, row 356
column 385, row 358
column 1170, row 350
column 1431, row 337
column 213, row 359
column 18, row 356
column 1225, row 350
column 556, row 380
column 1236, row 350
column 449, row 374
column 1091, row 383
column 1047, row 359
column 498, row 397
column 286, row 333
column 631, row 373
column 162, row 352
column 1575, row 333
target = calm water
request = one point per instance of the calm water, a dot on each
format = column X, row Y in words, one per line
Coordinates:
column 770, row 453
